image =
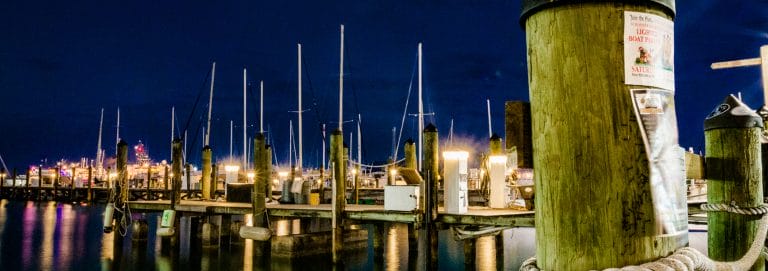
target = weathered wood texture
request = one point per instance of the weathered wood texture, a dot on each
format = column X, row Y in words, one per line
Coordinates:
column 259, row 181
column 176, row 171
column 593, row 197
column 734, row 172
column 205, row 182
column 694, row 166
column 337, row 157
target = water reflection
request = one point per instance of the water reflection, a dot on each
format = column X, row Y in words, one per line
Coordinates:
column 47, row 236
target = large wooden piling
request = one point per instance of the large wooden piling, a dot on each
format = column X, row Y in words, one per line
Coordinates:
column 410, row 154
column 165, row 178
column 593, row 195
column 149, row 181
column 734, row 172
column 261, row 178
column 27, row 193
column 176, row 152
column 122, row 172
column 429, row 170
column 340, row 186
column 205, row 181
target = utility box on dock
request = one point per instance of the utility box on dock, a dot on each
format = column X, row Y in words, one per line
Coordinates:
column 456, row 196
column 401, row 197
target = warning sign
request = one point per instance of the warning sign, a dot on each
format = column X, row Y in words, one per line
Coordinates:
column 648, row 50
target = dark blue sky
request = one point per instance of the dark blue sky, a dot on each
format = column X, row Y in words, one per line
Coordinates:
column 60, row 63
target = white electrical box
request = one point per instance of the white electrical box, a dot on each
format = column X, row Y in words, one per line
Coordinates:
column 455, row 196
column 401, row 197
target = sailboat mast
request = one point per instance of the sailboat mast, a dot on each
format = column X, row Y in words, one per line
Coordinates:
column 359, row 141
column 98, row 144
column 421, row 112
column 117, row 136
column 231, row 126
column 173, row 126
column 488, row 105
column 261, row 106
column 341, row 79
column 323, row 163
column 394, row 132
column 450, row 134
column 210, row 106
column 245, row 115
column 290, row 144
column 301, row 150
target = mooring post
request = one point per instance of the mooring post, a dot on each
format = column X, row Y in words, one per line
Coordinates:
column 176, row 149
column 413, row 229
column 149, row 181
column 594, row 200
column 205, row 181
column 26, row 184
column 214, row 180
column 39, row 181
column 734, row 171
column 56, row 177
column 357, row 175
column 430, row 165
column 268, row 170
column 188, row 170
column 13, row 182
column 72, row 196
column 89, row 196
column 470, row 246
column 165, row 178
column 259, row 164
column 340, row 187
column 2, row 182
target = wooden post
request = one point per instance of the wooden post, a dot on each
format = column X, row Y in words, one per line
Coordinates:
column 26, row 185
column 13, row 182
column 470, row 246
column 165, row 179
column 734, row 172
column 188, row 169
column 122, row 172
column 357, row 183
column 72, row 196
column 149, row 181
column 39, row 181
column 56, row 176
column 214, row 180
column 268, row 172
column 257, row 197
column 495, row 145
column 205, row 181
column 90, row 184
column 337, row 158
column 594, row 206
column 2, row 182
column 176, row 158
column 410, row 154
column 431, row 175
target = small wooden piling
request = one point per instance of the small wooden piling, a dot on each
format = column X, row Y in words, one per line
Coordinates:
column 205, row 181
column 734, row 172
column 176, row 171
column 495, row 145
column 165, row 178
column 89, row 196
column 149, row 181
column 337, row 158
column 2, row 182
column 122, row 172
column 268, row 169
column 72, row 195
column 39, row 181
column 26, row 185
column 188, row 170
column 430, row 165
column 13, row 182
column 470, row 246
column 410, row 154
column 214, row 181
column 55, row 183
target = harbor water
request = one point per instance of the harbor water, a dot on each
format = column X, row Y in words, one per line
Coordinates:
column 62, row 236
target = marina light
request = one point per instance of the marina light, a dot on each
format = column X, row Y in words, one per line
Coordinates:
column 231, row 168
column 251, row 175
column 393, row 172
column 497, row 159
column 170, row 175
column 112, row 174
column 275, row 181
column 295, row 179
column 354, row 171
column 455, row 155
column 282, row 174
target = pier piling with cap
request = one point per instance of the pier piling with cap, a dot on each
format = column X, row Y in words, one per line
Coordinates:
column 594, row 198
column 339, row 196
column 205, row 181
column 734, row 170
column 431, row 176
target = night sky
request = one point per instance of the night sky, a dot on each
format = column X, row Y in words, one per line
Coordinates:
column 60, row 63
